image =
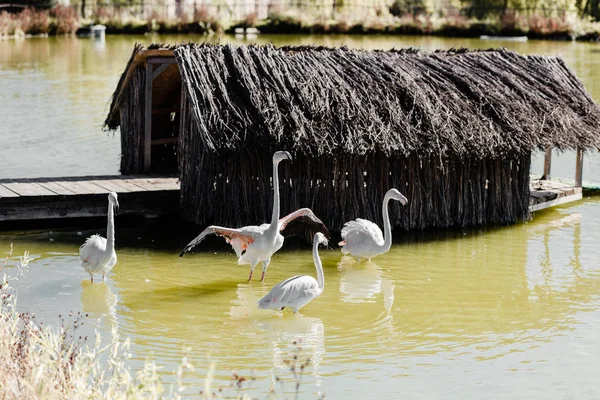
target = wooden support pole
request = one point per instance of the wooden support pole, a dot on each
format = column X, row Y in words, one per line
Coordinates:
column 148, row 119
column 547, row 163
column 579, row 169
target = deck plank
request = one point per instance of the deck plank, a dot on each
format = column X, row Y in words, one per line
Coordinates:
column 133, row 188
column 110, row 185
column 55, row 187
column 29, row 189
column 85, row 182
column 152, row 184
column 7, row 193
column 79, row 187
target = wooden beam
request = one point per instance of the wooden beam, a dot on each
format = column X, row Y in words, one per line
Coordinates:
column 165, row 141
column 161, row 60
column 148, row 118
column 159, row 70
column 579, row 168
column 547, row 163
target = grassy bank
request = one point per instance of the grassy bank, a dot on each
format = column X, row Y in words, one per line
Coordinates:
column 511, row 24
column 60, row 20
column 64, row 20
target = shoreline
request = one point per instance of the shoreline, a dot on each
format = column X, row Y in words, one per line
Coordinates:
column 534, row 27
column 586, row 37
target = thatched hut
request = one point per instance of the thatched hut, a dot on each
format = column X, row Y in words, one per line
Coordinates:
column 453, row 130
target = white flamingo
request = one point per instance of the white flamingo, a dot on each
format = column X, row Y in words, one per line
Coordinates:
column 254, row 244
column 363, row 239
column 300, row 290
column 98, row 254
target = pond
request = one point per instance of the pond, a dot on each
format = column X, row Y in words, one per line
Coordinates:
column 495, row 313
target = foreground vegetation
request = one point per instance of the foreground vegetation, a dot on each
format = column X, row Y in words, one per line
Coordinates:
column 43, row 362
column 61, row 20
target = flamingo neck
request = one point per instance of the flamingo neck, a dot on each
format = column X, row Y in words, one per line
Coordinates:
column 318, row 266
column 387, row 226
column 274, row 227
column 110, row 229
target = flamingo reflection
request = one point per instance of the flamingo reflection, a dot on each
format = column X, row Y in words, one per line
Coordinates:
column 360, row 283
column 100, row 303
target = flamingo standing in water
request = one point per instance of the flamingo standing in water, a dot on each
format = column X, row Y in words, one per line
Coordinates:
column 300, row 290
column 254, row 244
column 98, row 254
column 363, row 239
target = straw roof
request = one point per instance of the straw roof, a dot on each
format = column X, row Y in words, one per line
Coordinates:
column 316, row 100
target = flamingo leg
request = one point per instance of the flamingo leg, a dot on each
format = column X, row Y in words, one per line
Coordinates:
column 252, row 266
column 92, row 278
column 264, row 269
column 103, row 277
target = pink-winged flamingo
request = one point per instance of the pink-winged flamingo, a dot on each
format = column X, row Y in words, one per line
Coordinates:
column 363, row 239
column 254, row 244
column 97, row 254
column 300, row 290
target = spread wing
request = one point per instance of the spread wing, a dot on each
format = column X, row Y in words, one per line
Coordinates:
column 229, row 235
column 303, row 223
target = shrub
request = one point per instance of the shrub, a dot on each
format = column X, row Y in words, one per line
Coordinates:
column 66, row 20
column 34, row 22
column 9, row 25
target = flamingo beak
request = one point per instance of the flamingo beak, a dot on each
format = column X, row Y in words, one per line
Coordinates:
column 116, row 206
column 403, row 200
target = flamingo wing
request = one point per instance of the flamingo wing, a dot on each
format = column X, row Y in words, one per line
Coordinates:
column 90, row 251
column 360, row 230
column 228, row 233
column 293, row 292
column 304, row 223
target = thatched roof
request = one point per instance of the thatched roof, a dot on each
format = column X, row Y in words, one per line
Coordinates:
column 319, row 101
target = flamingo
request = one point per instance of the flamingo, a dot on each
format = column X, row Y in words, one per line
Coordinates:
column 254, row 244
column 300, row 290
column 98, row 254
column 363, row 239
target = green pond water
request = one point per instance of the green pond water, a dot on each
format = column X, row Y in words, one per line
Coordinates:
column 510, row 312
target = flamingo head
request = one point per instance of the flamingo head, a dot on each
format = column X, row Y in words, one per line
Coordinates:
column 396, row 195
column 112, row 199
column 321, row 239
column 280, row 156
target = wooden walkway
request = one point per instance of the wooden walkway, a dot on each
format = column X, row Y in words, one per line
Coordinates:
column 54, row 198
column 48, row 198
column 549, row 193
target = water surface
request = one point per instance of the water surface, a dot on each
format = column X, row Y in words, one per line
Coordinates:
column 509, row 312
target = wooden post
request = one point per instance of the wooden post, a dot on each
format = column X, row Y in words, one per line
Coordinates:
column 547, row 163
column 148, row 118
column 579, row 169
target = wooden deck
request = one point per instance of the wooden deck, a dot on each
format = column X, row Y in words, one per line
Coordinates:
column 49, row 198
column 76, row 197
column 549, row 193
